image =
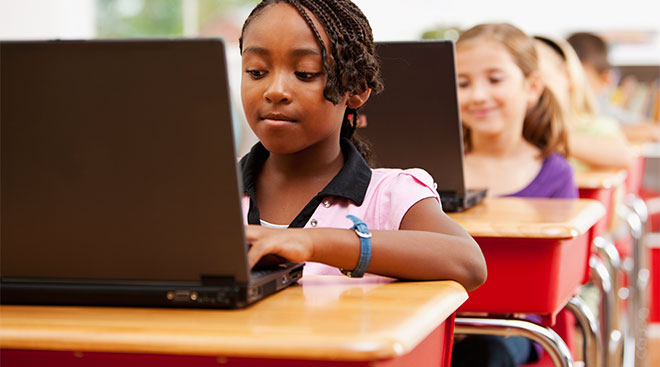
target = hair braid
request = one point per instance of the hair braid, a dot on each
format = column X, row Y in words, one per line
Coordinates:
column 331, row 91
column 355, row 26
column 332, row 97
column 328, row 15
column 355, row 66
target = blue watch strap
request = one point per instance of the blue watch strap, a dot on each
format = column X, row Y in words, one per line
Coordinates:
column 363, row 233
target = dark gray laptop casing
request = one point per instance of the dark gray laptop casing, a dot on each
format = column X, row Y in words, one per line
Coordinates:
column 119, row 183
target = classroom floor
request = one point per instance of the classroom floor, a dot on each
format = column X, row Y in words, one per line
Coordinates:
column 653, row 351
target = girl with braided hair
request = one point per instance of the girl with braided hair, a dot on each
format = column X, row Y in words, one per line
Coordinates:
column 309, row 194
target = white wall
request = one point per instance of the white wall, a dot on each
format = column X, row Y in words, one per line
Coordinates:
column 391, row 19
column 399, row 19
column 47, row 19
column 407, row 19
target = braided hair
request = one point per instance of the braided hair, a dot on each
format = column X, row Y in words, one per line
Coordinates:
column 355, row 67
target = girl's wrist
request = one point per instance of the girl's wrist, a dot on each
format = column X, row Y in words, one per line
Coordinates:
column 312, row 242
column 333, row 246
column 316, row 239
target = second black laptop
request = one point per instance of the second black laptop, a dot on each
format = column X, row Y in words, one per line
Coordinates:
column 415, row 121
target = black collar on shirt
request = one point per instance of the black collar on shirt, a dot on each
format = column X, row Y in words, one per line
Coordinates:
column 350, row 183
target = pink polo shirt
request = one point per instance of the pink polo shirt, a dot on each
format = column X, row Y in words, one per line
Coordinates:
column 389, row 196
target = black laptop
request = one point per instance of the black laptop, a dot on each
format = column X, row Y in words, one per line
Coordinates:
column 119, row 181
column 415, row 121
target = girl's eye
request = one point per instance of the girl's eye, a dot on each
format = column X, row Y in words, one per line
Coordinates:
column 305, row 76
column 495, row 79
column 463, row 83
column 255, row 74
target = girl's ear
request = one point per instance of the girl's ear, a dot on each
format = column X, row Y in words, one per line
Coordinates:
column 357, row 100
column 535, row 87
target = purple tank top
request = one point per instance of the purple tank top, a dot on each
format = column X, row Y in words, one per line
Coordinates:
column 554, row 180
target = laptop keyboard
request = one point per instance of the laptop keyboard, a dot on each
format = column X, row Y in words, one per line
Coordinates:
column 260, row 273
column 265, row 270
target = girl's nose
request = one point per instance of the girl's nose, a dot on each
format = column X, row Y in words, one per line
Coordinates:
column 278, row 91
column 478, row 92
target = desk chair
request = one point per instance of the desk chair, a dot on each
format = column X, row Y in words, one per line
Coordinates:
column 623, row 343
column 604, row 265
column 634, row 215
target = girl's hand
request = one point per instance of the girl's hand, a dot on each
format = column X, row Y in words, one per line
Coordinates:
column 293, row 244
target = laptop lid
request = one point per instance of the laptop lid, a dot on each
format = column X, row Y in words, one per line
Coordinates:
column 117, row 162
column 415, row 121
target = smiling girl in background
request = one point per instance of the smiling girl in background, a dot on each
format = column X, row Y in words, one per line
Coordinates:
column 515, row 140
column 515, row 144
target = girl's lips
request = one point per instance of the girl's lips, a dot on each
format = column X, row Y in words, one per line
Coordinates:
column 481, row 112
column 277, row 120
column 278, row 123
column 278, row 117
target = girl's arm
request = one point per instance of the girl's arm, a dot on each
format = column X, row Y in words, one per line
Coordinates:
column 428, row 246
column 643, row 132
column 601, row 151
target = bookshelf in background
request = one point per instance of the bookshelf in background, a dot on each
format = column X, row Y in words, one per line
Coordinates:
column 638, row 90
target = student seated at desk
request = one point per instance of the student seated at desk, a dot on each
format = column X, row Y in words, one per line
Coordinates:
column 515, row 146
column 515, row 139
column 593, row 53
column 594, row 141
column 308, row 66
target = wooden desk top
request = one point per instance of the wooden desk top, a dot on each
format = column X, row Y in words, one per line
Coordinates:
column 530, row 218
column 600, row 178
column 321, row 318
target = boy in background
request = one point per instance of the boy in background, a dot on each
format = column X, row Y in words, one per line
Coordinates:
column 593, row 53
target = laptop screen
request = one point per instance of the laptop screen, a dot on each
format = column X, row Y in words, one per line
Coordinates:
column 118, row 161
column 415, row 121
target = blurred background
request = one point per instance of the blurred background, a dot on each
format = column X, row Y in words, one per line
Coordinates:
column 631, row 27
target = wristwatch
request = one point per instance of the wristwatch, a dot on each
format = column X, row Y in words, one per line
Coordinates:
column 361, row 230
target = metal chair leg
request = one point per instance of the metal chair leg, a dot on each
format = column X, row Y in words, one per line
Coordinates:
column 604, row 246
column 592, row 346
column 549, row 340
column 610, row 334
column 635, row 214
